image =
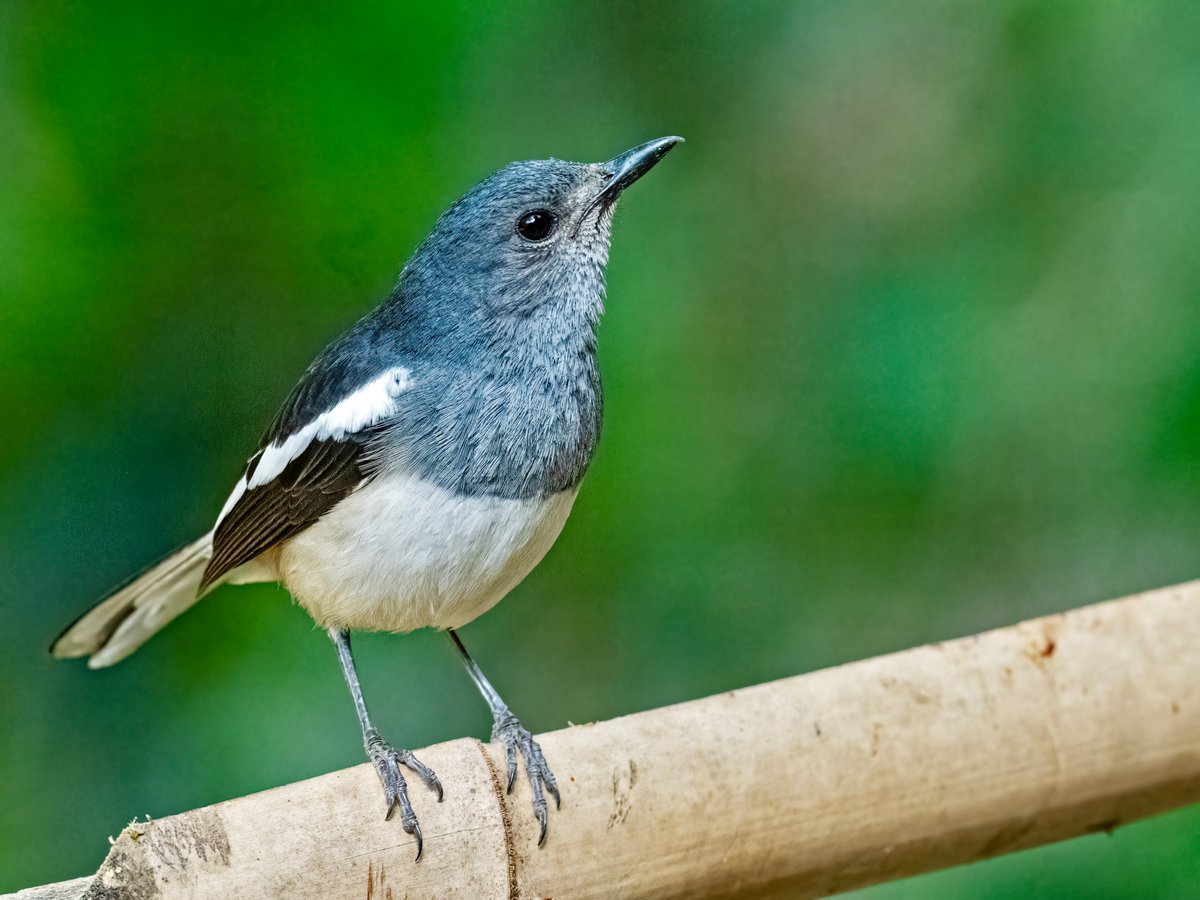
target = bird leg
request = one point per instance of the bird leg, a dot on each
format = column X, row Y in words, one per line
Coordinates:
column 507, row 730
column 383, row 756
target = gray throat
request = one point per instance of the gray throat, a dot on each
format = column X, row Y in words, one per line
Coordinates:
column 517, row 420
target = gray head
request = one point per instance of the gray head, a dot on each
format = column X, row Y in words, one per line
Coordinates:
column 530, row 241
column 495, row 318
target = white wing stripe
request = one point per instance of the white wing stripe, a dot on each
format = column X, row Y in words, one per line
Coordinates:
column 238, row 490
column 369, row 404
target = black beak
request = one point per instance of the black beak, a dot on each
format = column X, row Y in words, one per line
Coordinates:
column 627, row 168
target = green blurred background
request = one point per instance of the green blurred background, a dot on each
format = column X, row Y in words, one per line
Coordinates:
column 901, row 345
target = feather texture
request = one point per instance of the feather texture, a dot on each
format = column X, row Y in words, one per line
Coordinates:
column 118, row 625
column 307, row 488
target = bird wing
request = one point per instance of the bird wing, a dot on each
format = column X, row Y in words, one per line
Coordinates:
column 316, row 452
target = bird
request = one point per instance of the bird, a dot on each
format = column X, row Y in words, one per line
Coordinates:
column 428, row 458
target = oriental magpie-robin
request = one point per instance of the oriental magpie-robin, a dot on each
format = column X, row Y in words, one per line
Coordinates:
column 430, row 456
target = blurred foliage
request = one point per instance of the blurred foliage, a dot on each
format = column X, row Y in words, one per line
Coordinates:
column 901, row 345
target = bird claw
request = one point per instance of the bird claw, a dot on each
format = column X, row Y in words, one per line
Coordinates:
column 514, row 736
column 387, row 762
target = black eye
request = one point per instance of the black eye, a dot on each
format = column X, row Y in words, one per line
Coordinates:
column 536, row 224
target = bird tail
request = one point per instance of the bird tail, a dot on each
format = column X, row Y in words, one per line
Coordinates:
column 119, row 624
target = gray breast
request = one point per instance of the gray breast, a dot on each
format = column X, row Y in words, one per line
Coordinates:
column 513, row 431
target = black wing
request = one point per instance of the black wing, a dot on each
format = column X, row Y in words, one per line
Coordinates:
column 326, row 470
column 324, row 473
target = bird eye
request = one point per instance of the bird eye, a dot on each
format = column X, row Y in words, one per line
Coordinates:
column 536, row 224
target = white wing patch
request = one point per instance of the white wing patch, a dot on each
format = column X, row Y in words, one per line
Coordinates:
column 238, row 490
column 374, row 401
column 371, row 403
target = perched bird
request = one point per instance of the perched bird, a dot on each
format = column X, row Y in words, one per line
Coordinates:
column 430, row 456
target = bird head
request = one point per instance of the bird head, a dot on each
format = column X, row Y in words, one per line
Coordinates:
column 532, row 237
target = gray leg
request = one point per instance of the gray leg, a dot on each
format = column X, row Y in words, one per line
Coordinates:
column 508, row 731
column 385, row 758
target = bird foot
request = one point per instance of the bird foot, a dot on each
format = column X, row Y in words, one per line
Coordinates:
column 387, row 761
column 514, row 736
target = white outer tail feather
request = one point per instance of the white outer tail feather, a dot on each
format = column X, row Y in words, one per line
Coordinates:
column 121, row 623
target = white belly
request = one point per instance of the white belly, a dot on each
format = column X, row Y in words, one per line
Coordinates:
column 401, row 553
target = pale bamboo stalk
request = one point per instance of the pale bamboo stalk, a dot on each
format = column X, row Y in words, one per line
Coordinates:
column 932, row 757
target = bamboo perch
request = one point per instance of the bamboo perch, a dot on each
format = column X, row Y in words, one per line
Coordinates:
column 867, row 772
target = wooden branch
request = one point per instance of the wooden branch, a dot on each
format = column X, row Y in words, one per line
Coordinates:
column 867, row 772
